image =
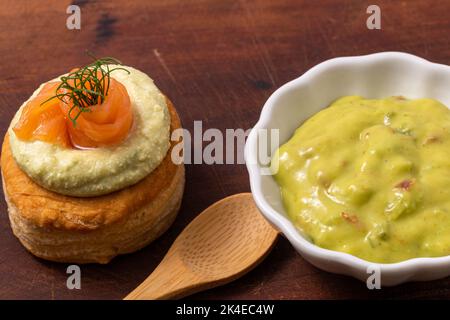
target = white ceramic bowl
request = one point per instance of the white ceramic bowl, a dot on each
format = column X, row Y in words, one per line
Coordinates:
column 372, row 76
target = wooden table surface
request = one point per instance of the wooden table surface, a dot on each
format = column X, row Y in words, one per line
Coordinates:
column 218, row 60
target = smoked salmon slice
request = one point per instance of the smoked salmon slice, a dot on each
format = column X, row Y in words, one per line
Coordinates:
column 99, row 125
column 42, row 120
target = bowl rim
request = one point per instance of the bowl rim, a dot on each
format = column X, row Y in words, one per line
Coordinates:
column 280, row 221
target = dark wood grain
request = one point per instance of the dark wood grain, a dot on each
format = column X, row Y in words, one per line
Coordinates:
column 218, row 61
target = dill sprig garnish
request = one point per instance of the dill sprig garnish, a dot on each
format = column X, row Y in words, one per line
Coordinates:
column 86, row 87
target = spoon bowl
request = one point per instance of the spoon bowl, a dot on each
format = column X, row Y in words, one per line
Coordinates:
column 225, row 241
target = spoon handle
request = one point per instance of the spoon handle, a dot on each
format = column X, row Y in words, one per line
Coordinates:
column 170, row 280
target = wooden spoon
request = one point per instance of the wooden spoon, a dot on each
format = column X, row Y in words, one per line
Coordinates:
column 221, row 244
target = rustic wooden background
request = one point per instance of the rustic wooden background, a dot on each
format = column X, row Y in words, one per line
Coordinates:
column 218, row 60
